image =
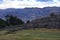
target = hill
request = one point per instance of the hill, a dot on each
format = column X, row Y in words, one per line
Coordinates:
column 29, row 13
column 51, row 22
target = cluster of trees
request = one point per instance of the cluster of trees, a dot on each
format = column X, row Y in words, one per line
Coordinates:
column 10, row 20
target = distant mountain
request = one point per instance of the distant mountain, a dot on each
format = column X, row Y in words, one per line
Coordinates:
column 29, row 13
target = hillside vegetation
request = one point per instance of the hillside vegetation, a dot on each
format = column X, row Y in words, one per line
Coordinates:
column 50, row 22
column 13, row 23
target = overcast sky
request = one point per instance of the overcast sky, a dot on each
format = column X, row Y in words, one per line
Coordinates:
column 28, row 3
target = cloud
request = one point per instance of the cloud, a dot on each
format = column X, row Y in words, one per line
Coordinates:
column 27, row 3
column 44, row 0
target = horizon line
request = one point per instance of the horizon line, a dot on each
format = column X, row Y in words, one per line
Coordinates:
column 30, row 7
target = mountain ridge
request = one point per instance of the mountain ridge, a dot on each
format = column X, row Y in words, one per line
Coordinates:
column 29, row 13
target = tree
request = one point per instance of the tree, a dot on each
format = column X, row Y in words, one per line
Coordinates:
column 19, row 22
column 52, row 15
column 13, row 20
column 28, row 21
column 7, row 20
column 2, row 23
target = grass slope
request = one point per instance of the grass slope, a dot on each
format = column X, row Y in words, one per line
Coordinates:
column 37, row 34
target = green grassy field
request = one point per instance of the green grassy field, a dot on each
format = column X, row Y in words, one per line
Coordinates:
column 37, row 34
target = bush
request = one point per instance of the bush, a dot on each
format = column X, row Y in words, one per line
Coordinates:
column 10, row 31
